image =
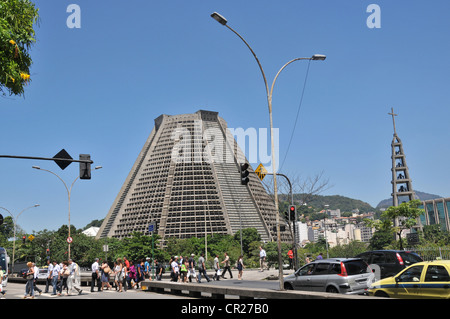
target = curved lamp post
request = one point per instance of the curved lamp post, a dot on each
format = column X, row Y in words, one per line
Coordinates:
column 317, row 57
column 15, row 225
column 69, row 191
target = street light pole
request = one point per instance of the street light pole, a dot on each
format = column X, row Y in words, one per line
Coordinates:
column 15, row 225
column 219, row 18
column 69, row 191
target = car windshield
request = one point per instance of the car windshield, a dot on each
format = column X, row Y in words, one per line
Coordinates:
column 410, row 258
column 356, row 267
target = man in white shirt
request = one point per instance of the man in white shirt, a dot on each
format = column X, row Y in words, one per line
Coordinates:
column 95, row 276
column 175, row 269
column 74, row 278
column 55, row 276
column 36, row 273
column 262, row 258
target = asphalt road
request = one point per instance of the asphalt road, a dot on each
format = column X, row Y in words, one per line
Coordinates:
column 17, row 291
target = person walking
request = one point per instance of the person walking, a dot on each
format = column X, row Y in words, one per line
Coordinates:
column 118, row 274
column 191, row 271
column 29, row 276
column 2, row 276
column 240, row 266
column 48, row 280
column 183, row 271
column 226, row 266
column 55, row 277
column 131, row 275
column 95, row 275
column 139, row 272
column 65, row 275
column 105, row 269
column 74, row 277
column 36, row 273
column 159, row 270
column 125, row 276
column 174, row 269
column 291, row 258
column 262, row 258
column 202, row 269
column 216, row 268
column 147, row 268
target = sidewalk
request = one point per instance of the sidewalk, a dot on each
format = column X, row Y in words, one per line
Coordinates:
column 255, row 274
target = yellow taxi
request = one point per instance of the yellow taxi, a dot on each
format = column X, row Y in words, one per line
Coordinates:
column 423, row 280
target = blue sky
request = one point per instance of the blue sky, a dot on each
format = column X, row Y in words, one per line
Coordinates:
column 98, row 89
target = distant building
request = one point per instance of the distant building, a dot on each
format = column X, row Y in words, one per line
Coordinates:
column 91, row 231
column 436, row 213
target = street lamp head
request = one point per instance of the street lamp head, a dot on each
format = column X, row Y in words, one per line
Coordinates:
column 36, row 205
column 36, row 167
column 98, row 167
column 219, row 18
column 318, row 57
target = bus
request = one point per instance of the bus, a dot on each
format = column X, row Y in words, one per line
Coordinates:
column 4, row 260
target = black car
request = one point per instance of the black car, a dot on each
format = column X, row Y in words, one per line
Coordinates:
column 390, row 262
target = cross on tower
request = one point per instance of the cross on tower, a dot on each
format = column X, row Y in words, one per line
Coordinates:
column 393, row 118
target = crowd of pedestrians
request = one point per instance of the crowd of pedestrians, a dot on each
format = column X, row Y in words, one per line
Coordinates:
column 64, row 276
column 186, row 269
column 123, row 274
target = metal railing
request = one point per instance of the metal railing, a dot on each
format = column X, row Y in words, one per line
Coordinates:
column 431, row 253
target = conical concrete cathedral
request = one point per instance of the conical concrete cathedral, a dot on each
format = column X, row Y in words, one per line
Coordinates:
column 186, row 180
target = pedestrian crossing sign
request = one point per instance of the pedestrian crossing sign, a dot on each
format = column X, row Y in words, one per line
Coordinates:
column 261, row 171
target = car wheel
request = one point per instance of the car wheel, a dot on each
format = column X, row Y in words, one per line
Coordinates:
column 288, row 286
column 332, row 289
column 381, row 294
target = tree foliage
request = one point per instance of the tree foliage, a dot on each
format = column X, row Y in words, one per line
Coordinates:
column 17, row 19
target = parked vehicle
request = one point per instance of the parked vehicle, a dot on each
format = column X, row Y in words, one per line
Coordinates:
column 427, row 279
column 335, row 275
column 390, row 262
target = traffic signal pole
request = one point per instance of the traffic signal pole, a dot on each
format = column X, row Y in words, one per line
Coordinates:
column 63, row 159
column 295, row 219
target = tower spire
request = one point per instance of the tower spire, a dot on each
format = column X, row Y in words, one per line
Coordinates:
column 402, row 190
column 393, row 119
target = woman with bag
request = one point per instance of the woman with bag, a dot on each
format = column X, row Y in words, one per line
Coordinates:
column 65, row 272
column 118, row 270
column 105, row 275
column 29, row 290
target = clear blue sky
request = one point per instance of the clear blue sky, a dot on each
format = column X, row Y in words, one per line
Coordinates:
column 98, row 89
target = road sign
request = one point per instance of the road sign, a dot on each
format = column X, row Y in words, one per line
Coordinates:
column 30, row 238
column 63, row 155
column 69, row 240
column 261, row 171
column 151, row 227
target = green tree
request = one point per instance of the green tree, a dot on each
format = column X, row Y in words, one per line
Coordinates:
column 406, row 214
column 249, row 235
column 17, row 19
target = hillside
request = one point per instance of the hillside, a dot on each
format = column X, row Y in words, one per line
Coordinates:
column 345, row 204
column 385, row 203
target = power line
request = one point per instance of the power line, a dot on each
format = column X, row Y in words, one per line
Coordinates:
column 298, row 112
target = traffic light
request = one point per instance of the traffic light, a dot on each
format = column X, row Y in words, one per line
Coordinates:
column 85, row 168
column 244, row 174
column 24, row 238
column 292, row 212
